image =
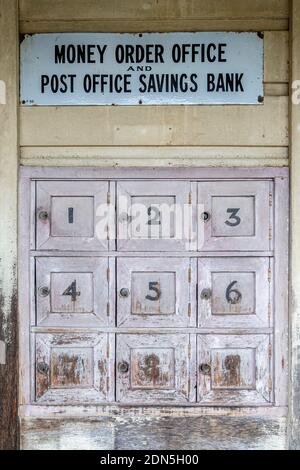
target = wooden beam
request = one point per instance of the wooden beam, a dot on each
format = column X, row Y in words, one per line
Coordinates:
column 8, row 222
column 265, row 125
column 144, row 26
column 154, row 156
column 152, row 15
column 108, row 9
column 294, row 405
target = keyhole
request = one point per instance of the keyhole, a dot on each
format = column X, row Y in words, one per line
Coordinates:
column 71, row 215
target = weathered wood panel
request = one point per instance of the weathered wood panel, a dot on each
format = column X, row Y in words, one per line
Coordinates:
column 154, row 156
column 138, row 25
column 159, row 293
column 150, row 15
column 251, row 282
column 156, row 433
column 155, row 368
column 8, row 221
column 242, row 236
column 72, row 368
column 91, row 9
column 265, row 125
column 55, row 232
column 294, row 403
column 276, row 57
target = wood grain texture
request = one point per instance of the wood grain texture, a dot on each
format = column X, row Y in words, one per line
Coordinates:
column 58, row 307
column 171, row 381
column 168, row 194
column 251, row 280
column 294, row 402
column 280, row 304
column 240, row 370
column 92, row 9
column 159, row 368
column 157, row 433
column 154, row 156
column 149, row 15
column 72, row 368
column 166, row 279
column 153, row 25
column 40, row 173
column 8, row 221
column 276, row 45
column 256, row 212
column 266, row 125
column 55, row 232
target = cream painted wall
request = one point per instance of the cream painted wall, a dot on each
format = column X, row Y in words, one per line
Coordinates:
column 162, row 136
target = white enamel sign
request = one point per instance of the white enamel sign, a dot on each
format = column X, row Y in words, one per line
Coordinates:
column 149, row 68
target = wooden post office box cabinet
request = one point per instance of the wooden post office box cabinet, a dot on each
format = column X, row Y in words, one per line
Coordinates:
column 156, row 292
column 236, row 216
column 235, row 370
column 67, row 213
column 74, row 292
column 155, row 368
column 181, row 302
column 234, row 293
column 74, row 368
column 155, row 215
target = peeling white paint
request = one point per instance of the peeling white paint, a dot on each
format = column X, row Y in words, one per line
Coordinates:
column 2, row 353
column 2, row 92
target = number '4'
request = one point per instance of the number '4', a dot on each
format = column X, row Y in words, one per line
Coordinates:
column 71, row 290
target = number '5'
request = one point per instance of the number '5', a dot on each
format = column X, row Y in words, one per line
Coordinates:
column 155, row 287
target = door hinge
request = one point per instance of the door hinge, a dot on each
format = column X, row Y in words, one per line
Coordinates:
column 190, row 197
column 269, row 311
column 108, row 309
column 190, row 275
column 108, row 198
column 270, row 384
column 270, row 199
column 269, row 274
column 190, row 309
column 108, row 274
column 270, row 351
column 107, row 350
column 107, row 384
column 190, row 351
column 270, row 234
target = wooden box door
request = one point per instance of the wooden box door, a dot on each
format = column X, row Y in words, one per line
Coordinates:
column 235, row 370
column 155, row 368
column 74, row 368
column 67, row 215
column 235, row 216
column 234, row 293
column 155, row 215
column 156, row 292
column 74, row 292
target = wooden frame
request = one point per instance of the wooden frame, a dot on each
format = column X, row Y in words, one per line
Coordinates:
column 293, row 436
column 9, row 160
column 280, row 179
